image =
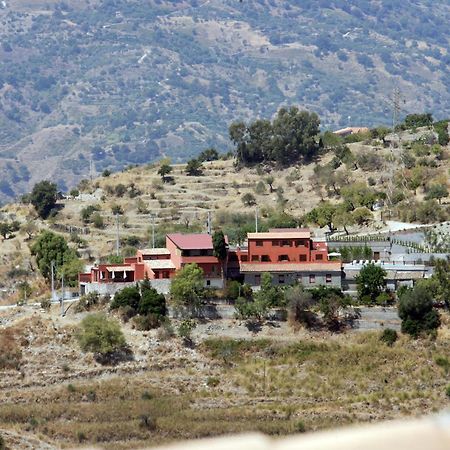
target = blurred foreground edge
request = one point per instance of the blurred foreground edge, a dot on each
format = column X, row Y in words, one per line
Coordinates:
column 431, row 433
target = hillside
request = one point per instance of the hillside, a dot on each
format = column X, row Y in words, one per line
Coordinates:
column 131, row 81
column 182, row 202
column 281, row 382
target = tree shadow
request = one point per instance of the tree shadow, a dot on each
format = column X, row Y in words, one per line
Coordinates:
column 114, row 358
column 254, row 326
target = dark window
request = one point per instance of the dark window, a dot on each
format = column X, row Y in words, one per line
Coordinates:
column 275, row 243
column 244, row 258
column 255, row 258
column 319, row 257
column 286, row 243
column 302, row 258
column 283, row 258
column 259, row 243
column 157, row 274
column 257, row 280
column 281, row 279
column 312, row 279
column 265, row 258
column 208, row 282
column 328, row 277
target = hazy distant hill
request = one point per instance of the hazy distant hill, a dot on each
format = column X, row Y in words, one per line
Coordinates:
column 129, row 81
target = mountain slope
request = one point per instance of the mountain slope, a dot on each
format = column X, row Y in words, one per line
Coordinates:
column 130, row 81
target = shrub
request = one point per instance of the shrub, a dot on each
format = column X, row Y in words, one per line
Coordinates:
column 128, row 296
column 185, row 330
column 443, row 362
column 389, row 336
column 213, row 382
column 2, row 443
column 447, row 391
column 147, row 322
column 248, row 199
column 146, row 395
column 98, row 334
column 166, row 330
column 151, row 301
column 10, row 353
column 416, row 310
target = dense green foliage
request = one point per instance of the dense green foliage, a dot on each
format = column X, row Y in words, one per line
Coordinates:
column 415, row 308
column 50, row 247
column 101, row 335
column 43, row 198
column 187, row 288
column 142, row 299
column 290, row 137
column 370, row 283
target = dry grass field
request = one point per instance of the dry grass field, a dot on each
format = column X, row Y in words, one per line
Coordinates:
column 278, row 382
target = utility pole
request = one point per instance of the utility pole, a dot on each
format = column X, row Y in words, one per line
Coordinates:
column 53, row 279
column 117, row 235
column 152, row 217
column 91, row 171
column 209, row 223
column 62, row 294
column 256, row 219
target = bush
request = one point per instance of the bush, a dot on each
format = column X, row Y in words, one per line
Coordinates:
column 128, row 296
column 389, row 336
column 185, row 330
column 10, row 353
column 415, row 308
column 443, row 362
column 2, row 443
column 147, row 322
column 213, row 381
column 98, row 334
column 447, row 391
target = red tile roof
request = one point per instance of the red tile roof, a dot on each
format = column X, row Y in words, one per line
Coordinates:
column 192, row 241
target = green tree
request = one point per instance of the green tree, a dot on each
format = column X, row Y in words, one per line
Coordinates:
column 441, row 278
column 164, row 171
column 210, row 154
column 128, row 296
column 29, row 228
column 300, row 302
column 220, row 250
column 269, row 294
column 370, row 282
column 8, row 228
column 98, row 334
column 323, row 215
column 437, row 191
column 151, row 301
column 270, row 180
column 194, row 168
column 43, row 198
column 415, row 308
column 248, row 199
column 187, row 288
column 49, row 247
column 70, row 269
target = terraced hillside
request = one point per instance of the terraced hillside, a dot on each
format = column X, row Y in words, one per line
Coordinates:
column 131, row 81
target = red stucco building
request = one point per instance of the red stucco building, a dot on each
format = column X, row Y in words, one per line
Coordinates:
column 290, row 255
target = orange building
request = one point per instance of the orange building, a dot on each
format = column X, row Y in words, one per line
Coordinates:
column 289, row 255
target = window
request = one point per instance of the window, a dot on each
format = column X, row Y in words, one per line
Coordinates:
column 328, row 278
column 258, row 279
column 275, row 243
column 208, row 282
column 312, row 279
column 265, row 258
column 286, row 243
column 259, row 243
column 283, row 258
column 302, row 258
column 157, row 274
column 319, row 257
column 299, row 244
column 244, row 258
column 281, row 279
column 255, row 258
